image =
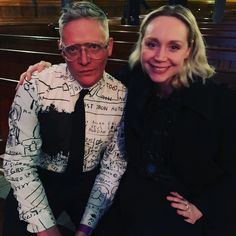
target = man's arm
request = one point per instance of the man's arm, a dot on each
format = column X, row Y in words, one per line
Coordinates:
column 113, row 165
column 22, row 150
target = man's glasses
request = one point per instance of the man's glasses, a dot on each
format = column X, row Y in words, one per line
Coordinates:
column 74, row 51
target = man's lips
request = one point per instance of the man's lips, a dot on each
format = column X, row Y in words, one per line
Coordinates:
column 86, row 71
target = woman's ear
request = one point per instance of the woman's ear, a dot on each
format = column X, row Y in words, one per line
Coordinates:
column 190, row 48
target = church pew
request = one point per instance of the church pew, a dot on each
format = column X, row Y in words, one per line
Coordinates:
column 7, row 92
column 212, row 39
column 224, row 60
column 29, row 42
column 46, row 47
column 52, row 30
column 14, row 62
column 218, row 26
column 219, row 40
column 121, row 49
column 226, row 26
column 122, row 35
column 41, row 29
column 218, row 32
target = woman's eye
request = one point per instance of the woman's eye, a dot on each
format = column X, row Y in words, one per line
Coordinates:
column 151, row 44
column 174, row 47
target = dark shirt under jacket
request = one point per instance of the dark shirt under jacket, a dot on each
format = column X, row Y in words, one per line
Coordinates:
column 200, row 160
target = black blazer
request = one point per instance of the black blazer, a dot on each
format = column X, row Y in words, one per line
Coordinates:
column 203, row 159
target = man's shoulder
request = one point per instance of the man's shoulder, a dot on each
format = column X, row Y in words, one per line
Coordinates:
column 113, row 81
column 109, row 89
column 53, row 76
column 55, row 72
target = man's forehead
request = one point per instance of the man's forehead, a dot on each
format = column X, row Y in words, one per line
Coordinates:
column 83, row 30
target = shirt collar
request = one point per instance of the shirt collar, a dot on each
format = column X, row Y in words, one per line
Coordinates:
column 75, row 87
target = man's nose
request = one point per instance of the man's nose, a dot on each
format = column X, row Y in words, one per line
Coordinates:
column 84, row 57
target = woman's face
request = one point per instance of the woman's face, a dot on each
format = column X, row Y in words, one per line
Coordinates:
column 164, row 48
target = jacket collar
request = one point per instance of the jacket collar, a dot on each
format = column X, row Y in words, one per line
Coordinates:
column 198, row 97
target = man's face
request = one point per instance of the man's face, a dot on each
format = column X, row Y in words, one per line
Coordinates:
column 86, row 34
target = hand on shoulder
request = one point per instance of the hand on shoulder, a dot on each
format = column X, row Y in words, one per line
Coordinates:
column 36, row 67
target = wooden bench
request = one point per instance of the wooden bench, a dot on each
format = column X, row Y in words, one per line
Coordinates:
column 219, row 40
column 218, row 26
column 224, row 60
column 41, row 29
column 7, row 93
column 122, row 35
column 14, row 62
column 218, row 32
column 29, row 42
column 224, row 57
column 121, row 49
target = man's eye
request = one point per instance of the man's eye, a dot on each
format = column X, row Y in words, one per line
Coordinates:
column 94, row 46
column 72, row 49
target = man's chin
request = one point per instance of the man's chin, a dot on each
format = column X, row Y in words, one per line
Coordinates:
column 87, row 81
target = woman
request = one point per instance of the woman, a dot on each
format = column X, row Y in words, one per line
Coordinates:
column 180, row 136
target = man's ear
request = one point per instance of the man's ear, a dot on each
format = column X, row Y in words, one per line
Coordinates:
column 110, row 46
column 59, row 44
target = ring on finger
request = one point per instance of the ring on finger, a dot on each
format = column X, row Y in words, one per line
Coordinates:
column 187, row 206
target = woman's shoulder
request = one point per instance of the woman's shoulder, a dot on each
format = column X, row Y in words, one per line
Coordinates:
column 209, row 87
column 213, row 96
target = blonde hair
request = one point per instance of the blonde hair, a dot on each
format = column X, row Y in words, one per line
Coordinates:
column 196, row 64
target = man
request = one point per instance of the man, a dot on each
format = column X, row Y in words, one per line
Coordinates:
column 50, row 165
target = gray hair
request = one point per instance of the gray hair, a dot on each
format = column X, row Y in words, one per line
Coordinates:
column 83, row 9
column 196, row 64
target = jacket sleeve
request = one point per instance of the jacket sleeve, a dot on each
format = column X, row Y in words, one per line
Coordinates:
column 217, row 200
column 113, row 165
column 22, row 149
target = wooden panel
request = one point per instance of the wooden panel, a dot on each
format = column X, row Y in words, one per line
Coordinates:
column 14, row 62
column 41, row 29
column 220, row 41
column 7, row 92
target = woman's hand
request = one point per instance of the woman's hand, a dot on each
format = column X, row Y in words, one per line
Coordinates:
column 184, row 208
column 36, row 67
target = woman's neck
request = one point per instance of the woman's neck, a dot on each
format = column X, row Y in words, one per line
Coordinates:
column 164, row 90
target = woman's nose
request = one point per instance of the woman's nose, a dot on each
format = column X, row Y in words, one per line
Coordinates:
column 161, row 54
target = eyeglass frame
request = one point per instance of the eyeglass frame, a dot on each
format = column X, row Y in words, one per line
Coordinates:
column 63, row 47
